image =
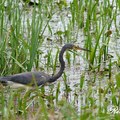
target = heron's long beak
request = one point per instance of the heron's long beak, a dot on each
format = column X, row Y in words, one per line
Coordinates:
column 79, row 48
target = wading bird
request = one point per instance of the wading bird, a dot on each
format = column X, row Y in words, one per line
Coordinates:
column 39, row 78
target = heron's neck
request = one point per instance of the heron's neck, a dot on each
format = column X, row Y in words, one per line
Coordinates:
column 62, row 66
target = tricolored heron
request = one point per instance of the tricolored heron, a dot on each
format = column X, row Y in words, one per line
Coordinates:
column 39, row 78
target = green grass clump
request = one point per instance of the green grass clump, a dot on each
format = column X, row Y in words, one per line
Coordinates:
column 31, row 36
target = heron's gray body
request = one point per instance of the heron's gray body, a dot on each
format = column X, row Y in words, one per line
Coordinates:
column 39, row 78
column 27, row 78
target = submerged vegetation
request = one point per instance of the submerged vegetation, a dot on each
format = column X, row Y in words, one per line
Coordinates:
column 31, row 35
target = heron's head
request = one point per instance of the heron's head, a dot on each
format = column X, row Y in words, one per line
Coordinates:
column 74, row 47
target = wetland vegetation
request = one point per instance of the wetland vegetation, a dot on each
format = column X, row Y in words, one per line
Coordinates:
column 31, row 36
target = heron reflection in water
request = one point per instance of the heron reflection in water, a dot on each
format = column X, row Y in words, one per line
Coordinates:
column 39, row 78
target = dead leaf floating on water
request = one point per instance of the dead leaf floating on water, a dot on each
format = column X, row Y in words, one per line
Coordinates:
column 108, row 33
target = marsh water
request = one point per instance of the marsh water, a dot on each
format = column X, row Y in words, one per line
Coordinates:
column 78, row 68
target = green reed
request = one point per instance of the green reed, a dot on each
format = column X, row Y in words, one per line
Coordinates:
column 20, row 50
column 55, row 61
